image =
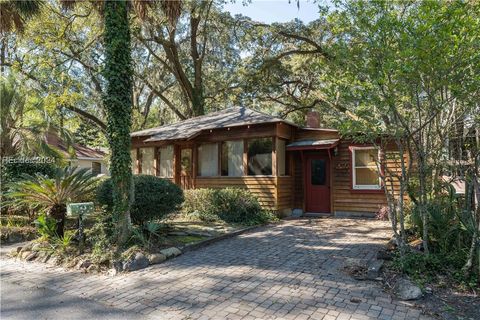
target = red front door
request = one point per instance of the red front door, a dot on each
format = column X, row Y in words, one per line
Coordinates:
column 317, row 180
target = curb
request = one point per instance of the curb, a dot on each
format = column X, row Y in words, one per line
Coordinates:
column 206, row 242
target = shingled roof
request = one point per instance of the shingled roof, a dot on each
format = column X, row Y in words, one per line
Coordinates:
column 81, row 152
column 230, row 117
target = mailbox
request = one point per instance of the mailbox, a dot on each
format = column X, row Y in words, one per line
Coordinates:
column 80, row 209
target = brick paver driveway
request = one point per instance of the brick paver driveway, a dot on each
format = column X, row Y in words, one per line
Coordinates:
column 293, row 270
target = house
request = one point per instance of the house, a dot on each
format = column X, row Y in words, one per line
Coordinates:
column 82, row 156
column 286, row 166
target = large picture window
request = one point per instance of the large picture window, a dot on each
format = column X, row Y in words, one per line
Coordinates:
column 260, row 156
column 208, row 160
column 165, row 162
column 232, row 158
column 365, row 175
column 147, row 157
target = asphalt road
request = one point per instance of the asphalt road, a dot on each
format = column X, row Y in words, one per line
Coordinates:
column 21, row 303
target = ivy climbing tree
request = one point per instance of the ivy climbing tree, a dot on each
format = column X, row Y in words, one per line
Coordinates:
column 118, row 105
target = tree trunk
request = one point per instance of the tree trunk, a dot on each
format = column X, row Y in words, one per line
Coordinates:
column 198, row 102
column 422, row 177
column 58, row 213
column 118, row 103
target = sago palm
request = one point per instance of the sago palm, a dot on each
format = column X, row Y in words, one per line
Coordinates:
column 52, row 194
column 14, row 13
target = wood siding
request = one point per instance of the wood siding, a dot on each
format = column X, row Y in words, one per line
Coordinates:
column 345, row 199
column 273, row 193
column 315, row 134
column 298, row 181
column 284, row 193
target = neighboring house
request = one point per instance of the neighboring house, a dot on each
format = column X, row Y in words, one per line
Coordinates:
column 286, row 166
column 84, row 157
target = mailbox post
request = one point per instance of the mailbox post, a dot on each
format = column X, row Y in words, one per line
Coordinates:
column 80, row 210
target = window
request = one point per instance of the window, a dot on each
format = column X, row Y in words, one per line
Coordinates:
column 186, row 162
column 165, row 162
column 364, row 168
column 281, row 157
column 318, row 174
column 147, row 156
column 133, row 155
column 208, row 160
column 232, row 158
column 260, row 156
column 96, row 168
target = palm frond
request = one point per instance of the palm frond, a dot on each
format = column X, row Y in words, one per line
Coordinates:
column 14, row 13
column 172, row 9
column 69, row 184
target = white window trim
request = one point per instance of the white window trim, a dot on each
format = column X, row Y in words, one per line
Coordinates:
column 364, row 186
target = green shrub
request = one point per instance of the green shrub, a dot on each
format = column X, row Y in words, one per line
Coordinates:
column 154, row 198
column 201, row 204
column 52, row 194
column 14, row 171
column 100, row 237
column 46, row 226
column 11, row 172
column 446, row 232
column 231, row 205
column 424, row 268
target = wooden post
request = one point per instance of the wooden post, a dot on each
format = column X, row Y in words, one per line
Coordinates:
column 176, row 164
column 219, row 170
column 245, row 157
column 194, row 164
column 291, row 167
column 274, row 157
column 156, row 161
column 304, row 181
column 139, row 161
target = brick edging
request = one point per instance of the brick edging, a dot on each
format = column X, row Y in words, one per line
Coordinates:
column 209, row 241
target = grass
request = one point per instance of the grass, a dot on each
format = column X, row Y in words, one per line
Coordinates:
column 187, row 239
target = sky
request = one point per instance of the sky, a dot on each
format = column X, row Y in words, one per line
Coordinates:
column 269, row 11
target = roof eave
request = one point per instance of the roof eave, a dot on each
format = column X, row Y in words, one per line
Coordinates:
column 314, row 147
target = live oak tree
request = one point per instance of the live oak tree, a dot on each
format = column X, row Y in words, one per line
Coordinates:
column 117, row 98
column 190, row 66
column 413, row 70
column 118, row 101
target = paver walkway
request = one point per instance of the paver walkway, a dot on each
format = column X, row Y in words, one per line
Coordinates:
column 293, row 270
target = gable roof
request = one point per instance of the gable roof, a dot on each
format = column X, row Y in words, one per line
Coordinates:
column 81, row 151
column 230, row 117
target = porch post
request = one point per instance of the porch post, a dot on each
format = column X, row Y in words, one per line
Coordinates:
column 274, row 157
column 194, row 164
column 245, row 157
column 176, row 164
column 139, row 161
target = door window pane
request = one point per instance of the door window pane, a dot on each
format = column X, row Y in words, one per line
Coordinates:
column 166, row 162
column 208, row 160
column 147, row 156
column 232, row 158
column 260, row 156
column 318, row 172
column 366, row 157
column 366, row 176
